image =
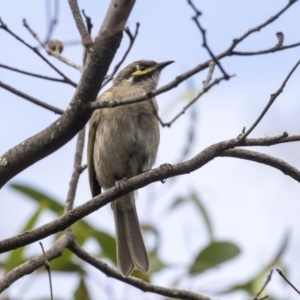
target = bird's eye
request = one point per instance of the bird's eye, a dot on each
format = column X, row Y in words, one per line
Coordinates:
column 142, row 67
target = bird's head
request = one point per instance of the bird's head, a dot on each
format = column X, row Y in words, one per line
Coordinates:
column 143, row 73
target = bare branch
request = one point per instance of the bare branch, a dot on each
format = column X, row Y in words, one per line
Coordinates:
column 54, row 53
column 280, row 37
column 209, row 74
column 31, row 99
column 85, row 36
column 47, row 267
column 77, row 170
column 236, row 41
column 288, row 282
column 52, row 21
column 205, row 44
column 35, row 50
column 33, row 74
column 75, row 117
column 202, row 92
column 264, row 286
column 271, row 101
column 88, row 22
column 132, row 39
column 32, row 264
column 135, row 183
column 144, row 286
column 271, row 50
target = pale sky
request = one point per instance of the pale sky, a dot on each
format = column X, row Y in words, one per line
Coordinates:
column 251, row 205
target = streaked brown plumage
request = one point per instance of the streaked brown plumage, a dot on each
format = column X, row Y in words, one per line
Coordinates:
column 123, row 143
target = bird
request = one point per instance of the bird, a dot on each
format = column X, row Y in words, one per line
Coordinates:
column 122, row 143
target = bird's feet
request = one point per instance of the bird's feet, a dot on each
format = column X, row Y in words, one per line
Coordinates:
column 119, row 183
column 167, row 167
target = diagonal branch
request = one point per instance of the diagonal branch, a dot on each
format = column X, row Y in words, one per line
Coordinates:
column 132, row 184
column 236, row 41
column 54, row 53
column 265, row 159
column 77, row 170
column 206, row 88
column 271, row 101
column 132, row 39
column 31, row 99
column 75, row 117
column 205, row 44
column 85, row 36
column 144, row 286
column 35, row 50
column 32, row 74
column 34, row 263
column 266, row 51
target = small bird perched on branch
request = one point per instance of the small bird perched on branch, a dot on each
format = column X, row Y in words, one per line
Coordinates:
column 123, row 143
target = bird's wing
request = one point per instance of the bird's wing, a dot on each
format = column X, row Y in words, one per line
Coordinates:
column 94, row 185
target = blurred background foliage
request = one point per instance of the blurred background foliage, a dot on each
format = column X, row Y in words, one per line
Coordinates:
column 209, row 257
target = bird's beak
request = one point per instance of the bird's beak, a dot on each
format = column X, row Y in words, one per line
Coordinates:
column 160, row 66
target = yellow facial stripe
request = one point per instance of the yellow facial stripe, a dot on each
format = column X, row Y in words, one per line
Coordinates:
column 144, row 72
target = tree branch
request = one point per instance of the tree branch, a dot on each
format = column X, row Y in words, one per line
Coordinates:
column 85, row 36
column 31, row 99
column 265, row 159
column 144, row 286
column 54, row 53
column 32, row 264
column 132, row 39
column 33, row 74
column 78, row 113
column 76, row 171
column 35, row 50
column 271, row 101
column 132, row 184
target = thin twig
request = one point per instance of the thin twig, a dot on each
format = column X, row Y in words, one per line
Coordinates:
column 236, row 41
column 52, row 21
column 132, row 39
column 47, row 267
column 35, row 50
column 266, row 51
column 271, row 101
column 85, row 36
column 34, row 263
column 205, row 44
column 200, row 94
column 56, row 54
column 31, row 99
column 77, row 170
column 289, row 283
column 209, row 74
column 88, row 22
column 265, row 159
column 264, row 286
column 33, row 74
column 144, row 286
column 134, row 183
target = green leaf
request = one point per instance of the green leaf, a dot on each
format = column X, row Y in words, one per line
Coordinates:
column 64, row 263
column 39, row 197
column 155, row 262
column 253, row 285
column 81, row 292
column 15, row 257
column 194, row 198
column 213, row 255
column 81, row 229
column 197, row 201
column 108, row 245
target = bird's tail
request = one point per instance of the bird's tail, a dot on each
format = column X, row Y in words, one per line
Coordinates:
column 131, row 251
